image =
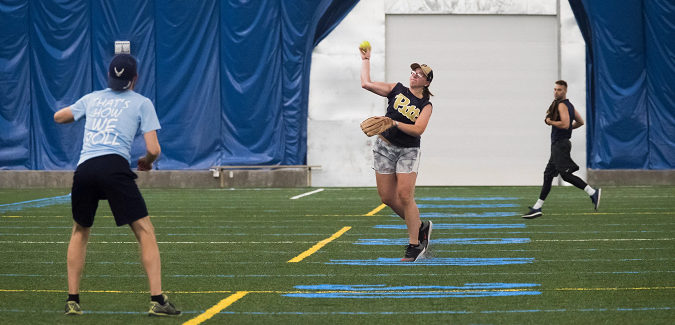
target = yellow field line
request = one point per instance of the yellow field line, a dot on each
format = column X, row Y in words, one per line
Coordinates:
column 376, row 210
column 216, row 309
column 319, row 245
column 353, row 291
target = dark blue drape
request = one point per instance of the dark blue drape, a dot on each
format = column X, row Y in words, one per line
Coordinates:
column 229, row 79
column 188, row 83
column 15, row 96
column 660, row 49
column 60, row 59
column 251, row 83
column 630, row 82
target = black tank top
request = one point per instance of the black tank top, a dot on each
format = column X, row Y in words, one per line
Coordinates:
column 558, row 134
column 403, row 107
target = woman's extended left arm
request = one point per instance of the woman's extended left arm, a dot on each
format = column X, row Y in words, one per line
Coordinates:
column 420, row 125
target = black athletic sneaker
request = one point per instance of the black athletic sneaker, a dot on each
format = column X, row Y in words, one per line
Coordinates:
column 73, row 308
column 412, row 252
column 167, row 309
column 534, row 213
column 595, row 198
column 425, row 233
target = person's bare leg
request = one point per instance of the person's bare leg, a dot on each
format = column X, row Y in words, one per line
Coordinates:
column 77, row 251
column 406, row 197
column 387, row 189
column 145, row 234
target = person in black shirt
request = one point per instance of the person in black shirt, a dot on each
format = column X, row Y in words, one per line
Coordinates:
column 397, row 150
column 561, row 161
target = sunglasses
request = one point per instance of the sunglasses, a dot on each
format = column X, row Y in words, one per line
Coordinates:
column 421, row 76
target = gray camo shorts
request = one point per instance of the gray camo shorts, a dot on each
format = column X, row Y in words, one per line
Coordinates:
column 391, row 159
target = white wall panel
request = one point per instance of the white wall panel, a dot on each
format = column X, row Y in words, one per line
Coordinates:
column 471, row 113
column 493, row 80
column 511, row 7
column 338, row 104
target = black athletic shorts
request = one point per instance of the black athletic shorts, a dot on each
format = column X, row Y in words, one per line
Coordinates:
column 106, row 178
column 561, row 160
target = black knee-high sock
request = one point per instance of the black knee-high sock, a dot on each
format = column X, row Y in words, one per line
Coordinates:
column 574, row 180
column 546, row 188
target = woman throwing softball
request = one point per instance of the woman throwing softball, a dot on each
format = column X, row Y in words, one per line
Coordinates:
column 397, row 149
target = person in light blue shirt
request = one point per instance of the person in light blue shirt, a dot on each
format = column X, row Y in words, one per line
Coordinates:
column 112, row 120
column 113, row 117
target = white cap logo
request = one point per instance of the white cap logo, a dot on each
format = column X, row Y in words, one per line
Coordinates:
column 119, row 74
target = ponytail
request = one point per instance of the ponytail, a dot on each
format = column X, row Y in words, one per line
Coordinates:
column 426, row 93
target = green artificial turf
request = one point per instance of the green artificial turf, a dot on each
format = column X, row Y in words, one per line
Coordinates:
column 614, row 266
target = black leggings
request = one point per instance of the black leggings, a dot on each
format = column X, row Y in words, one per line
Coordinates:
column 567, row 177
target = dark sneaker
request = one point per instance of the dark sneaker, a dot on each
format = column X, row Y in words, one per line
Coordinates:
column 412, row 252
column 73, row 308
column 595, row 198
column 167, row 309
column 425, row 233
column 534, row 213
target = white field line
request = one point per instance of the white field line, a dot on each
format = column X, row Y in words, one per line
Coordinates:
column 305, row 194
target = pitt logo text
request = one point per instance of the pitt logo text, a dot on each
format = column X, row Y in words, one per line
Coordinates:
column 401, row 105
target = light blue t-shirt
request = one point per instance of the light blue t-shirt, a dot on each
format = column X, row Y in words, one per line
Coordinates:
column 113, row 119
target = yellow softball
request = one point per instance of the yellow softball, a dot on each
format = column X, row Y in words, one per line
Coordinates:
column 364, row 46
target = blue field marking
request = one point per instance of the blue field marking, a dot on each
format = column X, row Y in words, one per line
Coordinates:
column 465, row 215
column 467, row 206
column 465, row 198
column 446, row 241
column 460, row 226
column 382, row 291
column 383, row 287
column 18, row 206
column 439, row 261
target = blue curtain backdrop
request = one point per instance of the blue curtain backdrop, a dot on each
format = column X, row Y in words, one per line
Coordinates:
column 229, row 79
column 15, row 94
column 630, row 82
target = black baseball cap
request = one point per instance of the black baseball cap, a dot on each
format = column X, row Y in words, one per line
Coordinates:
column 121, row 72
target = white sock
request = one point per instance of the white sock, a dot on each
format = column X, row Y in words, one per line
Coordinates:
column 589, row 190
column 539, row 204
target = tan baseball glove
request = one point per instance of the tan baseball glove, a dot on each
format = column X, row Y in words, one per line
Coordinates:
column 376, row 125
